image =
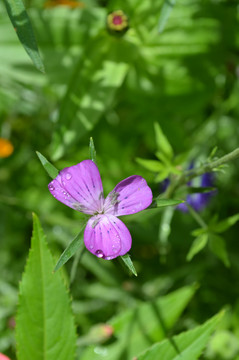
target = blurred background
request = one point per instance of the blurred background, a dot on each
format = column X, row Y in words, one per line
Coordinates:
column 114, row 84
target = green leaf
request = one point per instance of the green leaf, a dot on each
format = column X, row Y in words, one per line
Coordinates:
column 218, row 247
column 199, row 231
column 142, row 325
column 157, row 203
column 23, row 27
column 225, row 224
column 165, row 13
column 151, row 165
column 162, row 175
column 92, row 150
column 50, row 169
column 44, row 324
column 129, row 264
column 198, row 189
column 76, row 244
column 190, row 343
column 83, row 106
column 199, row 243
column 162, row 142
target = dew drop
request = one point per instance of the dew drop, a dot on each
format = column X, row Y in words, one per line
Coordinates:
column 99, row 253
column 68, row 176
column 51, row 187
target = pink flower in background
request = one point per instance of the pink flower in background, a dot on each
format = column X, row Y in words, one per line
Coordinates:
column 3, row 357
column 80, row 187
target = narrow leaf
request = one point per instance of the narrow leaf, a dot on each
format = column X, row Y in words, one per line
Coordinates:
column 50, row 169
column 23, row 27
column 199, row 243
column 225, row 224
column 165, row 13
column 198, row 189
column 218, row 247
column 144, row 324
column 199, row 231
column 162, row 142
column 129, row 264
column 157, row 203
column 190, row 343
column 92, row 150
column 151, row 165
column 76, row 244
column 44, row 323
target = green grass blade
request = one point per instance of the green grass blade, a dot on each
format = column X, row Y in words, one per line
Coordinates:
column 23, row 27
column 165, row 13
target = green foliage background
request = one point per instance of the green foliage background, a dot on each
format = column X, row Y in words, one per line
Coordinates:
column 114, row 89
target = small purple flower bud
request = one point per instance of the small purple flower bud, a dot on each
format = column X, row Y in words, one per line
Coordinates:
column 198, row 201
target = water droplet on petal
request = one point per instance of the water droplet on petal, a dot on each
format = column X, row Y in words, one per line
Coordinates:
column 99, row 253
column 51, row 187
column 68, row 176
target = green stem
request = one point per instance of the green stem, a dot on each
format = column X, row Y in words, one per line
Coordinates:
column 196, row 216
column 207, row 167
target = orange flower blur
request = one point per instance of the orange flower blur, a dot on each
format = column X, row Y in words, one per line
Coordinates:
column 69, row 3
column 6, row 148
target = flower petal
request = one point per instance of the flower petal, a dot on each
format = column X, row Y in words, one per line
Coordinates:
column 130, row 196
column 79, row 187
column 107, row 237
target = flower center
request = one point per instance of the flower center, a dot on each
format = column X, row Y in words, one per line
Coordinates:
column 117, row 20
column 110, row 202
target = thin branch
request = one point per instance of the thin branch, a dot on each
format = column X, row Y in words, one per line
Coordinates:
column 207, row 167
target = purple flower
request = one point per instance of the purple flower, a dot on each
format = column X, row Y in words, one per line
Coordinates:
column 80, row 188
column 199, row 201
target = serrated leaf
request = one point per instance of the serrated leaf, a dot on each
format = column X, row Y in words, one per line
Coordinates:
column 129, row 264
column 165, row 13
column 146, row 323
column 76, row 244
column 199, row 243
column 50, row 169
column 218, row 247
column 157, row 203
column 225, row 224
column 190, row 343
column 151, row 165
column 44, row 324
column 23, row 27
column 92, row 150
column 162, row 142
